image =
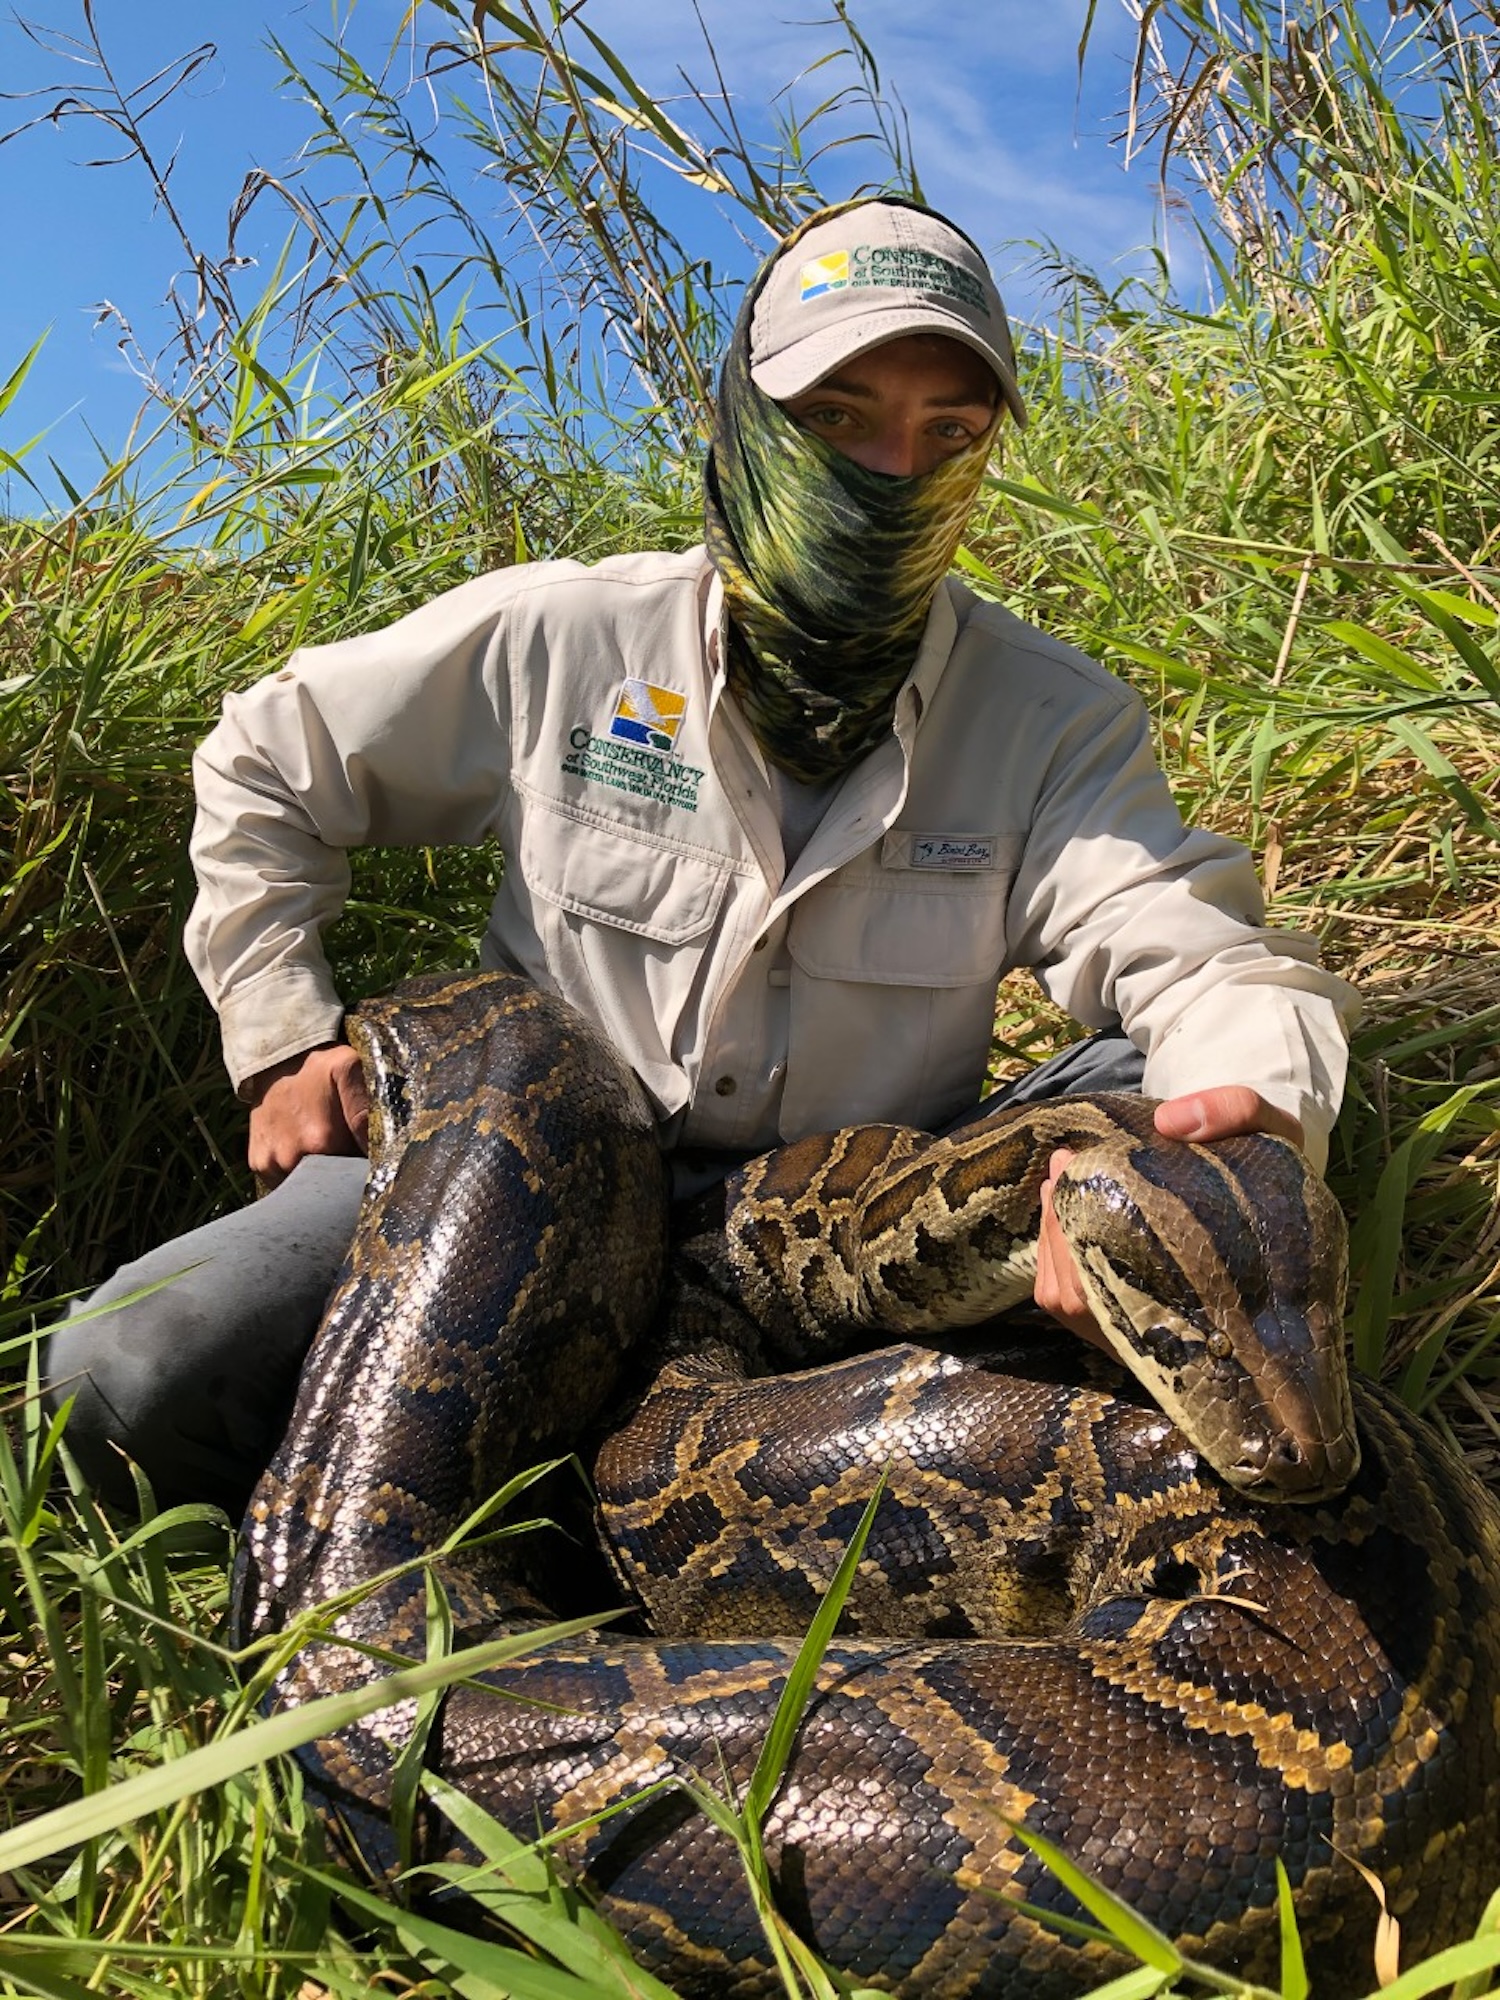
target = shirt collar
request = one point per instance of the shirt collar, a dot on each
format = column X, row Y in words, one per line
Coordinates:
column 938, row 638
column 711, row 598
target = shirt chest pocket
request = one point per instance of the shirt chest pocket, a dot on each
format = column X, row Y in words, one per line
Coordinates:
column 893, row 978
column 629, row 884
column 621, row 927
column 911, row 916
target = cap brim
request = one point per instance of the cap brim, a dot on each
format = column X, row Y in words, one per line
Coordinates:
column 805, row 363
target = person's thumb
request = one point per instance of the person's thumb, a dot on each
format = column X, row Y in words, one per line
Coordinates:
column 354, row 1100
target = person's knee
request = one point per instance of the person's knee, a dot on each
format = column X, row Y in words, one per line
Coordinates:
column 142, row 1368
column 123, row 1345
column 1105, row 1061
column 107, row 1383
column 186, row 1360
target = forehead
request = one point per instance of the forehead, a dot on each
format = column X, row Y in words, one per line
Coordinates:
column 927, row 365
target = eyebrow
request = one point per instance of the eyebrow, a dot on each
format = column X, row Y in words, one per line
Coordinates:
column 845, row 387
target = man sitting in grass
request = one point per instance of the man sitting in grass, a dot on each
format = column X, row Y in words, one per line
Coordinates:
column 777, row 814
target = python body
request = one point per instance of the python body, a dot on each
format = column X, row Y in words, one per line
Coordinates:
column 1064, row 1619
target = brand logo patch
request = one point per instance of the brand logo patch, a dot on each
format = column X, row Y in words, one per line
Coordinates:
column 825, row 274
column 637, row 752
column 891, row 268
column 648, row 715
column 951, row 851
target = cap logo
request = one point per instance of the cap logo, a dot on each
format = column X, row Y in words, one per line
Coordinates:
column 825, row 274
column 892, row 267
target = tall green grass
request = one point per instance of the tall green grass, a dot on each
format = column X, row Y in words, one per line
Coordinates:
column 1270, row 497
column 1277, row 510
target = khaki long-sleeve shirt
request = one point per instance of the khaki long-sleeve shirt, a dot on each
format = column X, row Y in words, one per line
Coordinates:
column 578, row 716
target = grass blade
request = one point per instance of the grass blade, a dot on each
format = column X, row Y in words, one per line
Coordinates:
column 103, row 1812
column 770, row 1766
column 1141, row 1939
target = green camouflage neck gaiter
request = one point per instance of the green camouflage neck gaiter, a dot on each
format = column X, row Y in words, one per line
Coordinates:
column 829, row 570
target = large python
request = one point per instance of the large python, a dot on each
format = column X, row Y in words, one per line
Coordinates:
column 1064, row 1619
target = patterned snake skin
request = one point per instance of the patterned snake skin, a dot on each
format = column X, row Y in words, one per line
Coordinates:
column 1063, row 1618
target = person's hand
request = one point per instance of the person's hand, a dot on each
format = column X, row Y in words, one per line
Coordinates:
column 1059, row 1289
column 312, row 1103
column 1220, row 1113
column 1224, row 1113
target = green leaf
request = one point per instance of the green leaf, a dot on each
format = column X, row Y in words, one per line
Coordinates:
column 10, row 388
column 775, row 1752
column 643, row 111
column 102, row 1812
column 1137, row 1985
column 1426, row 751
column 407, row 1771
column 1029, row 494
column 521, row 1888
column 1141, row 1939
column 1381, row 653
column 1475, row 1985
column 1375, row 1240
column 1468, row 649
column 506, row 1973
column 1432, row 607
column 1459, row 1961
column 29, row 1972
column 1294, row 1984
column 1461, row 607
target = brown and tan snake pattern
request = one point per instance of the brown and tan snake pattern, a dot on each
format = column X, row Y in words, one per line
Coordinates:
column 1064, row 1617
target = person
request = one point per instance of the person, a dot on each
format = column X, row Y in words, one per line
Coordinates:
column 776, row 813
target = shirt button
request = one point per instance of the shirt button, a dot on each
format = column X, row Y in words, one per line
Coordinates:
column 760, row 944
column 724, row 1087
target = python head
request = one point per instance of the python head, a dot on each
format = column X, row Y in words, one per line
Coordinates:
column 1217, row 1273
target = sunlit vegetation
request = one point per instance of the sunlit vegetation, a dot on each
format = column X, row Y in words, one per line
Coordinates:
column 1267, row 492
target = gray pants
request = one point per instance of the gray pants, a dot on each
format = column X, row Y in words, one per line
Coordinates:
column 187, row 1359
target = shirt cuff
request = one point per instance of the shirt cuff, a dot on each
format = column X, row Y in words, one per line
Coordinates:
column 272, row 1019
column 1290, row 1047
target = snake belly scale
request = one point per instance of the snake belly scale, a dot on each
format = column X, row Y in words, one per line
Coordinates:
column 1073, row 1613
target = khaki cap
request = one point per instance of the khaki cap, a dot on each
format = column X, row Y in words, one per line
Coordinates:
column 871, row 273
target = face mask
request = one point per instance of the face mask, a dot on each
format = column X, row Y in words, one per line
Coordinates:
column 829, row 571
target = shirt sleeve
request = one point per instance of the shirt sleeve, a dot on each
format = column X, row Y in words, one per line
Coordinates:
column 1126, row 914
column 400, row 738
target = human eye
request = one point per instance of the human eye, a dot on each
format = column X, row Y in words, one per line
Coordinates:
column 951, row 436
column 823, row 416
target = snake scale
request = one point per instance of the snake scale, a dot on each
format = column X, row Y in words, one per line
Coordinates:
column 1065, row 1617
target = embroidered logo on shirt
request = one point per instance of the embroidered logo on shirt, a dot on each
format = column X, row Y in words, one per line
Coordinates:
column 648, row 715
column 637, row 752
column 825, row 274
column 955, row 851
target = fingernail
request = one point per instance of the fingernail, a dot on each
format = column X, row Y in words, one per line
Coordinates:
column 1187, row 1120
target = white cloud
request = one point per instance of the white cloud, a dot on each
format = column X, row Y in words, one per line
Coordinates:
column 1001, row 137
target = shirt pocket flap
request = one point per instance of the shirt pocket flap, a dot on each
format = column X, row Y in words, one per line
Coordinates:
column 610, row 877
column 905, row 927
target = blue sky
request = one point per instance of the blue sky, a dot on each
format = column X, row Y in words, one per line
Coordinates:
column 1000, row 135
